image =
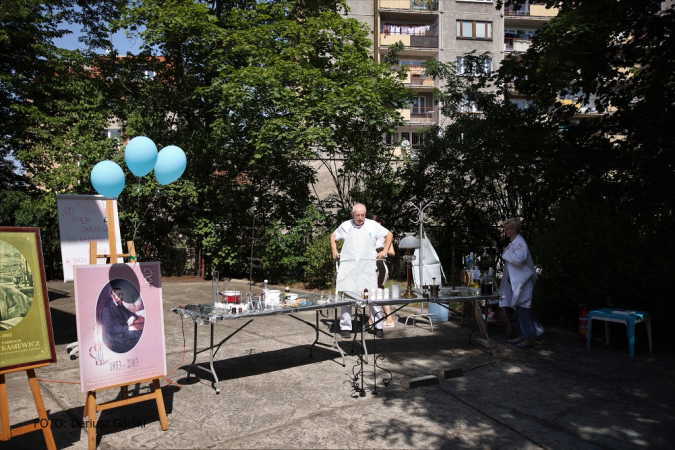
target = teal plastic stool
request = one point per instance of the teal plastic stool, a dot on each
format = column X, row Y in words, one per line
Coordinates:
column 627, row 317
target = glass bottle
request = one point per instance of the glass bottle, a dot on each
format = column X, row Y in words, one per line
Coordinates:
column 486, row 285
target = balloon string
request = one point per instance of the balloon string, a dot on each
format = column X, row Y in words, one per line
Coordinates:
column 136, row 224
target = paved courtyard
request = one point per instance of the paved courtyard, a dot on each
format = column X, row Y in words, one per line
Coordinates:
column 273, row 394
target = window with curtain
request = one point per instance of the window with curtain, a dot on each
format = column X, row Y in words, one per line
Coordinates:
column 474, row 29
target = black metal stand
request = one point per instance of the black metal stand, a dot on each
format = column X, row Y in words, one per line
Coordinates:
column 357, row 370
column 358, row 376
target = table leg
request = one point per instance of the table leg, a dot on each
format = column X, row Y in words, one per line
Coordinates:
column 335, row 339
column 649, row 333
column 630, row 327
column 485, row 325
column 316, row 337
column 213, row 371
column 480, row 323
column 194, row 351
column 607, row 332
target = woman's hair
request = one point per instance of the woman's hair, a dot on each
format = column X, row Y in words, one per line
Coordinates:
column 513, row 223
column 377, row 219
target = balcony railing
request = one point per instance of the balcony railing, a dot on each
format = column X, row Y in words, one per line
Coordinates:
column 422, row 40
column 512, row 44
column 409, row 5
column 422, row 81
column 532, row 10
column 420, row 114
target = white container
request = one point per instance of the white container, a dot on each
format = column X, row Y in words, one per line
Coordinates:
column 385, row 294
column 395, row 291
column 272, row 298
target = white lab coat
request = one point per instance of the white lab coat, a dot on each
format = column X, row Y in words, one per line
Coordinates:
column 520, row 275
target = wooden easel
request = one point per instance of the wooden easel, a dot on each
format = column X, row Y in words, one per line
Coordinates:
column 90, row 405
column 43, row 423
column 111, row 257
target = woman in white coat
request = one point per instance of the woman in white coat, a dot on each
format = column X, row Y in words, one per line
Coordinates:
column 518, row 283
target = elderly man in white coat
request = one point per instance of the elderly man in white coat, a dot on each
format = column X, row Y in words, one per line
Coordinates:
column 358, row 270
column 518, row 283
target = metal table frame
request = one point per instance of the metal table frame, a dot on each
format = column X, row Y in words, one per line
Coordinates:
column 207, row 314
column 203, row 314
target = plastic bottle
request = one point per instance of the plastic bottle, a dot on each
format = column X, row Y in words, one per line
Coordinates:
column 265, row 289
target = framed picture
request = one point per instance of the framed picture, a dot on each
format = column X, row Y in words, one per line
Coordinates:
column 26, row 334
column 120, row 324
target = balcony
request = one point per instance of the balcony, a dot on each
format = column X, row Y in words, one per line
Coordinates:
column 420, row 114
column 409, row 5
column 531, row 10
column 517, row 45
column 412, row 36
column 536, row 15
column 417, row 78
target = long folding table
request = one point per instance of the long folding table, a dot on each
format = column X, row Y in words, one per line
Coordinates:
column 210, row 314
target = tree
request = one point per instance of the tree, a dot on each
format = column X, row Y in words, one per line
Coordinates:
column 254, row 90
column 52, row 111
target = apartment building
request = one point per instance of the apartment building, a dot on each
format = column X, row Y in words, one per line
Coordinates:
column 443, row 30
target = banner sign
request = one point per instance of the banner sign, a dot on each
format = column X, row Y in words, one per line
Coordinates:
column 83, row 218
column 26, row 334
column 120, row 324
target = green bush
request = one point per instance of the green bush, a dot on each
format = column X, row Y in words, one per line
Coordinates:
column 320, row 268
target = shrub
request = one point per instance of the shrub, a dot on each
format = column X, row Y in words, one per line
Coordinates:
column 320, row 268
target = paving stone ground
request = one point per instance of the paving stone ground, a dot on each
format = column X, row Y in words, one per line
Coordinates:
column 555, row 395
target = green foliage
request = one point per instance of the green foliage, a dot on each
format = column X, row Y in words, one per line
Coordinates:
column 249, row 90
column 320, row 265
column 255, row 88
column 285, row 247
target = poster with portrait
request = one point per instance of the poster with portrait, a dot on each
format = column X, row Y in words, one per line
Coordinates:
column 120, row 324
column 26, row 334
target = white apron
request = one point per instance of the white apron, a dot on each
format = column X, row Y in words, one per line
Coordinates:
column 357, row 270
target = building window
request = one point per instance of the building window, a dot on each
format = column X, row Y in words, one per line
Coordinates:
column 475, row 67
column 419, row 105
column 388, row 138
column 468, row 106
column 474, row 29
column 113, row 133
column 417, row 139
column 521, row 103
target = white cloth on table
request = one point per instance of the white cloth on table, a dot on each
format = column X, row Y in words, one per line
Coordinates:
column 431, row 266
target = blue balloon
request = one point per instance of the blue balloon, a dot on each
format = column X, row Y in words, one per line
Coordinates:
column 107, row 177
column 140, row 155
column 171, row 163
